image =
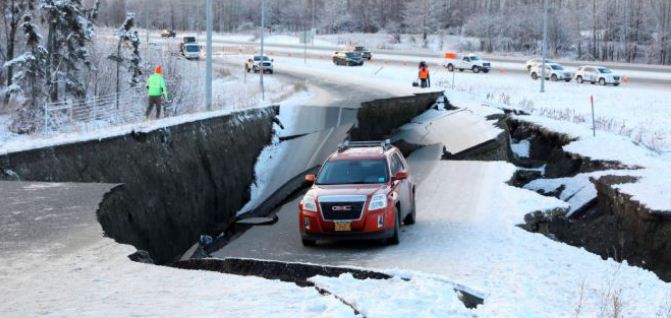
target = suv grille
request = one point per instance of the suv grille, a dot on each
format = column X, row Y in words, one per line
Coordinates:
column 341, row 210
column 617, row 78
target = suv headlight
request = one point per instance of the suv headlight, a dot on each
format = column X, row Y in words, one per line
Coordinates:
column 377, row 202
column 309, row 203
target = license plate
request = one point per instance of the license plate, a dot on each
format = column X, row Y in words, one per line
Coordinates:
column 343, row 227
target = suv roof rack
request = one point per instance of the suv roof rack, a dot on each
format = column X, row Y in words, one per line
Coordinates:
column 385, row 144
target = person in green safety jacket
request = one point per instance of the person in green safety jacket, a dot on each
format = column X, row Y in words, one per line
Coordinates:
column 157, row 91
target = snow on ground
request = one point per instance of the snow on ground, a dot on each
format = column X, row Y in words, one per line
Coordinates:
column 391, row 298
column 100, row 280
column 466, row 231
column 650, row 189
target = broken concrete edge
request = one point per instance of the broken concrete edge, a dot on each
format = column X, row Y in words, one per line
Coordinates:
column 299, row 273
column 606, row 188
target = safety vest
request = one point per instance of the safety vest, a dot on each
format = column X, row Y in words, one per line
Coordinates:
column 424, row 73
column 156, row 86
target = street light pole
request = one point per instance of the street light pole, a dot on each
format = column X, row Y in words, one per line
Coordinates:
column 263, row 28
column 208, row 76
column 545, row 43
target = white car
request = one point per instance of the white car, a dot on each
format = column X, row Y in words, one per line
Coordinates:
column 553, row 71
column 597, row 74
column 258, row 63
column 535, row 62
column 191, row 51
column 468, row 62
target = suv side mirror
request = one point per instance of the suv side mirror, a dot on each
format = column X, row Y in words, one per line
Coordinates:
column 310, row 178
column 401, row 175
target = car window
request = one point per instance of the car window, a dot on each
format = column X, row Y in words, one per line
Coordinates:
column 474, row 58
column 467, row 59
column 400, row 162
column 396, row 164
column 604, row 70
column 557, row 67
column 353, row 172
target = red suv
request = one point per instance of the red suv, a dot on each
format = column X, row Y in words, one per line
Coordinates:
column 362, row 191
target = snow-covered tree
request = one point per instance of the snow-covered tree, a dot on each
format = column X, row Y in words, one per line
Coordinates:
column 12, row 12
column 128, row 38
column 29, row 79
column 69, row 30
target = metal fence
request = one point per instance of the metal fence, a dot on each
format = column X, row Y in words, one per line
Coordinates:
column 92, row 113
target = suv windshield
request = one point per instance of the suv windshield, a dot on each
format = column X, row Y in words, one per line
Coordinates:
column 557, row 67
column 474, row 58
column 604, row 70
column 258, row 58
column 351, row 55
column 353, row 172
column 192, row 48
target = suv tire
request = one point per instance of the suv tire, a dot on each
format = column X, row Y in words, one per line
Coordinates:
column 602, row 81
column 308, row 242
column 554, row 77
column 450, row 67
column 394, row 239
column 534, row 76
column 411, row 218
column 475, row 69
column 579, row 79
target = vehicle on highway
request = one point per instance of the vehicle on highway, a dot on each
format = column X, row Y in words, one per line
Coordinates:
column 186, row 40
column 363, row 191
column 168, row 33
column 191, row 51
column 553, row 71
column 363, row 52
column 597, row 74
column 257, row 63
column 468, row 62
column 347, row 58
column 536, row 62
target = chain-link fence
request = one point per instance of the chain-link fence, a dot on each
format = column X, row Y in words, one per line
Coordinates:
column 92, row 113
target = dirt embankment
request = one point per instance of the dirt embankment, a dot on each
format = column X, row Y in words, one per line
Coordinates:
column 613, row 225
column 176, row 182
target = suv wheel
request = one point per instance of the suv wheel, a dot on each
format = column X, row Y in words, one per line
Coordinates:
column 394, row 239
column 450, row 67
column 475, row 69
column 602, row 81
column 579, row 79
column 534, row 76
column 308, row 242
column 554, row 77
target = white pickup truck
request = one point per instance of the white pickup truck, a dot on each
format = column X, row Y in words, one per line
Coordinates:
column 468, row 62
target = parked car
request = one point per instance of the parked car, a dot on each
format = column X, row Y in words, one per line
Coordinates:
column 191, row 51
column 597, row 74
column 363, row 52
column 168, row 33
column 468, row 62
column 553, row 71
column 535, row 62
column 347, row 58
column 257, row 63
column 363, row 191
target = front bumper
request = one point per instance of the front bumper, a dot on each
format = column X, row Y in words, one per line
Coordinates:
column 378, row 224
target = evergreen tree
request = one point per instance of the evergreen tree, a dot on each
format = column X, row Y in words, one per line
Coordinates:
column 127, row 38
column 69, row 30
column 29, row 78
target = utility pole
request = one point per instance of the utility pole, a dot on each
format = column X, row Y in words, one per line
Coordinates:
column 208, row 76
column 545, row 43
column 263, row 29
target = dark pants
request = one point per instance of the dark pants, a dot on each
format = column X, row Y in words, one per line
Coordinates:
column 154, row 101
column 425, row 83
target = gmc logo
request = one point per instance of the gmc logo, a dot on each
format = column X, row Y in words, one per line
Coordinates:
column 339, row 208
